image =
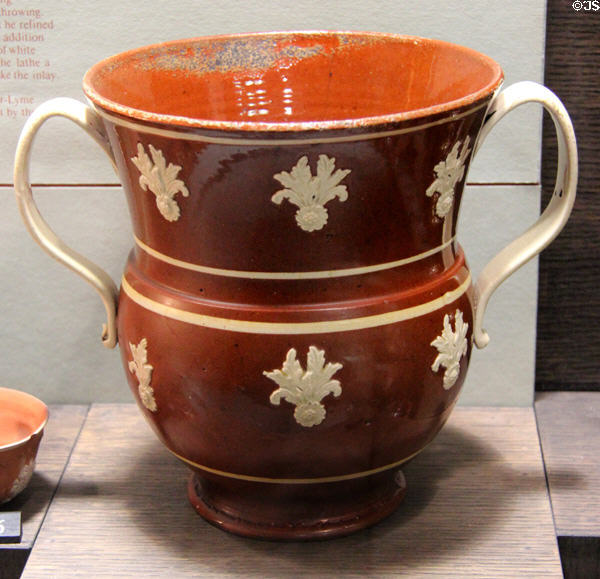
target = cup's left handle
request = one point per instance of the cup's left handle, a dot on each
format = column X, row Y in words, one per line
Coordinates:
column 88, row 120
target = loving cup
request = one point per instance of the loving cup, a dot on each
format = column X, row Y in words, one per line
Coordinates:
column 296, row 316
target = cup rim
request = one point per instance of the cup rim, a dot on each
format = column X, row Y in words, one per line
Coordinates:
column 112, row 106
column 32, row 399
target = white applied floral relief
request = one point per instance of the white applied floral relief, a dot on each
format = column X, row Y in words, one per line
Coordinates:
column 143, row 372
column 448, row 174
column 161, row 180
column 452, row 346
column 305, row 388
column 22, row 480
column 311, row 192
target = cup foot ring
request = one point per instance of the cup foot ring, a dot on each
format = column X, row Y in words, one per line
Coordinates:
column 296, row 512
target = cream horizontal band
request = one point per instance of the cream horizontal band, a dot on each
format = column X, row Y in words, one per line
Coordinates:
column 294, row 328
column 187, row 135
column 298, row 481
column 289, row 275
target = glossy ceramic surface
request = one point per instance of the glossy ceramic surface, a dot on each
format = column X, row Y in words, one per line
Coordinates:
column 283, row 81
column 296, row 317
column 247, row 280
column 22, row 421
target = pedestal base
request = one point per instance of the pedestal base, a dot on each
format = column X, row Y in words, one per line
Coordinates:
column 296, row 511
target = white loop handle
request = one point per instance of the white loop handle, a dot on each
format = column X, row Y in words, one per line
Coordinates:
column 88, row 120
column 556, row 214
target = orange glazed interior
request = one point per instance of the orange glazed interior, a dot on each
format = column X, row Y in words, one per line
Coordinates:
column 291, row 80
column 21, row 416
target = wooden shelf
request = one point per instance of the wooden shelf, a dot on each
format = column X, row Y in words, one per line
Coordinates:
column 61, row 432
column 569, row 429
column 477, row 506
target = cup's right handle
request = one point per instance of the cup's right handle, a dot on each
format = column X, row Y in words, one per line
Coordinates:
column 557, row 212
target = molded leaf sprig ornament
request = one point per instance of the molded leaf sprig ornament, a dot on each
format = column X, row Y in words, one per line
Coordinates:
column 22, row 479
column 305, row 388
column 143, row 372
column 311, row 192
column 452, row 346
column 161, row 180
column 448, row 172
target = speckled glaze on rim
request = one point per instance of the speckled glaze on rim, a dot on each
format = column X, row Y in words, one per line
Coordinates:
column 339, row 41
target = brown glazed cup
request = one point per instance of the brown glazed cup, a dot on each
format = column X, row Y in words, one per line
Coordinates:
column 22, row 421
column 296, row 316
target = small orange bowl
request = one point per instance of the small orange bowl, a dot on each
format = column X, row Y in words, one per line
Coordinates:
column 22, row 421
